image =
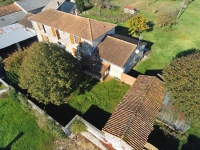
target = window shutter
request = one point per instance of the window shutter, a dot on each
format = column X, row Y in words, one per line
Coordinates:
column 79, row 40
column 43, row 28
column 74, row 51
column 47, row 39
column 58, row 34
column 42, row 37
column 38, row 25
column 53, row 32
column 72, row 39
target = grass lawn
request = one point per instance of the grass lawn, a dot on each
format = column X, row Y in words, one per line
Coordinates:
column 105, row 95
column 5, row 2
column 2, row 86
column 19, row 129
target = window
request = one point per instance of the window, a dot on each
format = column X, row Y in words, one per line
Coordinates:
column 75, row 39
column 41, row 27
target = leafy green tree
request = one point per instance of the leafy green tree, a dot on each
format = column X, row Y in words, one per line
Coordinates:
column 182, row 79
column 80, row 5
column 167, row 18
column 13, row 64
column 137, row 24
column 49, row 73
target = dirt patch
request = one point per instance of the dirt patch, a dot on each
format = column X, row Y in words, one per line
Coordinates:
column 78, row 142
column 41, row 120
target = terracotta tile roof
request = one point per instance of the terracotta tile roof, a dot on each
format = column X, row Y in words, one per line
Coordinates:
column 94, row 64
column 134, row 117
column 115, row 50
column 25, row 22
column 86, row 28
column 129, row 7
column 8, row 9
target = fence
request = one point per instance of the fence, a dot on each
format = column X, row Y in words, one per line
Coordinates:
column 170, row 116
column 90, row 128
column 127, row 79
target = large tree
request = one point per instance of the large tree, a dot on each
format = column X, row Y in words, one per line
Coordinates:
column 13, row 64
column 182, row 79
column 49, row 73
column 137, row 24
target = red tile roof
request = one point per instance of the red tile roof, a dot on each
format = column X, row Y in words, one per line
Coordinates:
column 115, row 50
column 86, row 28
column 129, row 7
column 134, row 117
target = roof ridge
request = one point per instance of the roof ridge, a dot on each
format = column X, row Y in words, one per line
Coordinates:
column 90, row 29
column 121, row 40
column 139, row 103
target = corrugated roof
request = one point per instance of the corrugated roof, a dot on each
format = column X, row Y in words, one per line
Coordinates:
column 134, row 117
column 30, row 5
column 115, row 50
column 11, row 18
column 86, row 28
column 8, row 9
column 25, row 22
column 53, row 4
column 14, row 33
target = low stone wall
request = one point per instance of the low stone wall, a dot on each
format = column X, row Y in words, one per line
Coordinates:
column 89, row 127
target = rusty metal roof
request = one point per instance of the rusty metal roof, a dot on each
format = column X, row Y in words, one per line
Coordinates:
column 134, row 117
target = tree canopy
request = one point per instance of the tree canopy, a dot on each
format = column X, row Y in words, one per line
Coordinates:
column 49, row 73
column 182, row 79
column 80, row 5
column 13, row 64
column 167, row 18
column 137, row 24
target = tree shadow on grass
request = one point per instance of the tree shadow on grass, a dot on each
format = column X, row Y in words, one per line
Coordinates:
column 162, row 140
column 185, row 53
column 96, row 116
column 157, row 73
column 9, row 145
column 193, row 143
column 63, row 113
column 122, row 30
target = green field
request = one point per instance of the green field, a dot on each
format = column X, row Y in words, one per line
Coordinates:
column 106, row 95
column 5, row 2
column 169, row 42
column 19, row 129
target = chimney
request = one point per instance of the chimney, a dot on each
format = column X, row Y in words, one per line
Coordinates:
column 76, row 12
column 58, row 3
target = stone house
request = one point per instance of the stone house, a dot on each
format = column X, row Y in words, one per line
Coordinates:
column 94, row 42
column 129, row 9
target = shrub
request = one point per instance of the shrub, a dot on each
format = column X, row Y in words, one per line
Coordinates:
column 77, row 126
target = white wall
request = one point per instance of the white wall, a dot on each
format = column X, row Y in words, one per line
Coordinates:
column 64, row 37
column 116, row 142
column 115, row 71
